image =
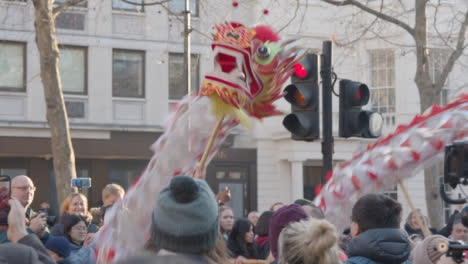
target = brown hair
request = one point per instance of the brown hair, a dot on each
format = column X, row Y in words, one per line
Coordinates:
column 66, row 204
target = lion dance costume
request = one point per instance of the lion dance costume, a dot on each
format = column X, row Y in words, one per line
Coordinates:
column 250, row 66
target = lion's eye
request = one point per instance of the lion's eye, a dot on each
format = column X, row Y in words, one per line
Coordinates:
column 263, row 52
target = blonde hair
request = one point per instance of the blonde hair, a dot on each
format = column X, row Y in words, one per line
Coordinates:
column 112, row 188
column 424, row 219
column 66, row 204
column 309, row 241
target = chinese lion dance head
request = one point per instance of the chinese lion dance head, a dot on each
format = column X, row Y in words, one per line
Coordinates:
column 250, row 67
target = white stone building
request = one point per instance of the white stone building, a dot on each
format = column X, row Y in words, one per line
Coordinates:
column 121, row 68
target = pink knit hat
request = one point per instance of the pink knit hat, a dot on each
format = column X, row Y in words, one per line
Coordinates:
column 427, row 251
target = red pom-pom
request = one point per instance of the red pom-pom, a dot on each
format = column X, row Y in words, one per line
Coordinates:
column 265, row 11
column 235, row 4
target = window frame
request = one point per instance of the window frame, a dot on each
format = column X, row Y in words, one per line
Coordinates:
column 85, row 48
column 143, row 62
column 198, row 57
column 13, row 89
column 387, row 87
column 197, row 15
column 130, row 9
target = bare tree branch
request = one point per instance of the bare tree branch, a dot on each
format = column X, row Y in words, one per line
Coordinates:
column 291, row 20
column 369, row 10
column 143, row 3
column 63, row 6
column 456, row 53
column 363, row 33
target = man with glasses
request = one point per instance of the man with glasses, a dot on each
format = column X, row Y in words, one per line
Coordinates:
column 22, row 188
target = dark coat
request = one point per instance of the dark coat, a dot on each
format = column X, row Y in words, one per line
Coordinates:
column 167, row 259
column 250, row 252
column 379, row 246
column 263, row 246
column 29, row 249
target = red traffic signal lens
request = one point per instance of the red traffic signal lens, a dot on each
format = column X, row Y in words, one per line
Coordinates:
column 300, row 71
column 358, row 94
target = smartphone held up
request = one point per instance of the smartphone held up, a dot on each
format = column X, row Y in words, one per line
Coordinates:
column 5, row 190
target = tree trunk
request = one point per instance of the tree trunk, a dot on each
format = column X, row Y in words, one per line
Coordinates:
column 428, row 96
column 62, row 149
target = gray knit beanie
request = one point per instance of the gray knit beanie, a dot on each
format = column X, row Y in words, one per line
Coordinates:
column 186, row 217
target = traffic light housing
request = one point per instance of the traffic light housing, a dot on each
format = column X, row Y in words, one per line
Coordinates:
column 303, row 95
column 353, row 121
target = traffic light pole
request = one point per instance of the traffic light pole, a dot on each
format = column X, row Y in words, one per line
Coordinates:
column 327, row 143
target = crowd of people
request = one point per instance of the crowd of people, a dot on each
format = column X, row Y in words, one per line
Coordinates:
column 191, row 225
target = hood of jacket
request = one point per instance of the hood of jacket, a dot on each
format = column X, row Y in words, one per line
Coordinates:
column 382, row 245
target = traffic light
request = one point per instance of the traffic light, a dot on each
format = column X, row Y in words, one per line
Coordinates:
column 355, row 122
column 303, row 95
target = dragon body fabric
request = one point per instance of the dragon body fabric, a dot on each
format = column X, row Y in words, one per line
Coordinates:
column 393, row 158
column 250, row 66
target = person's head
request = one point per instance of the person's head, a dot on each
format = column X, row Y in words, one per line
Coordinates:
column 76, row 203
column 253, row 217
column 226, row 219
column 111, row 193
column 459, row 231
column 285, row 215
column 263, row 225
column 373, row 211
column 309, row 241
column 75, row 228
column 58, row 247
column 186, row 217
column 427, row 251
column 412, row 220
column 313, row 211
column 22, row 188
column 274, row 207
column 44, row 206
column 242, row 232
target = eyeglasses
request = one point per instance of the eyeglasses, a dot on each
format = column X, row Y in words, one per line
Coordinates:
column 80, row 228
column 26, row 188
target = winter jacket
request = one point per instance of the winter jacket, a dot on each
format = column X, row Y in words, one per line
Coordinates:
column 263, row 247
column 446, row 231
column 379, row 246
column 235, row 250
column 80, row 255
column 412, row 231
column 176, row 258
column 29, row 249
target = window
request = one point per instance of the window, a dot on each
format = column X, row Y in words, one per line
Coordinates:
column 82, row 4
column 128, row 73
column 382, row 65
column 177, row 7
column 438, row 58
column 121, row 5
column 177, row 88
column 73, row 69
column 12, row 66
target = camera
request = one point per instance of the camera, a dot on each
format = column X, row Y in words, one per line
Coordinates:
column 453, row 249
column 49, row 218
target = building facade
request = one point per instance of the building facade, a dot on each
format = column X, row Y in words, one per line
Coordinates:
column 122, row 73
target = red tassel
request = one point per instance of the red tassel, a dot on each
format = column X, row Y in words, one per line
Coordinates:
column 329, row 175
column 368, row 162
column 437, row 144
column 372, row 175
column 235, row 4
column 355, row 182
column 447, row 124
column 407, row 143
column 416, row 156
column 177, row 172
column 391, row 164
column 318, row 189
